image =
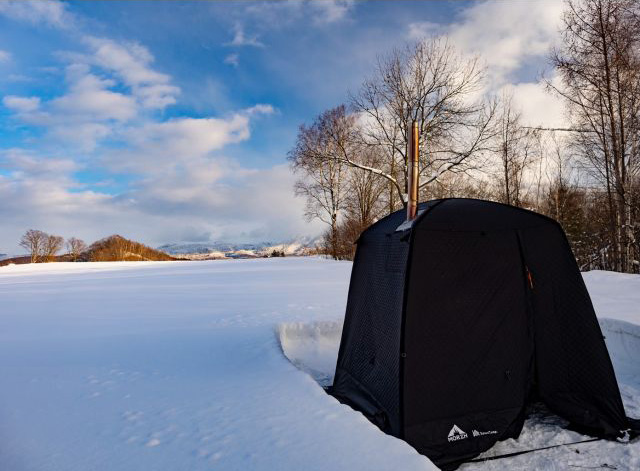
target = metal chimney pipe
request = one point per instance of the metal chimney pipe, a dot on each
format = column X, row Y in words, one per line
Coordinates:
column 413, row 158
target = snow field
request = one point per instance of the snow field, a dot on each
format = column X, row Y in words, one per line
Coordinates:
column 180, row 366
column 174, row 366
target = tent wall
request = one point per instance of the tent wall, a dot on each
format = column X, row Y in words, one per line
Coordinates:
column 574, row 372
column 367, row 372
column 468, row 340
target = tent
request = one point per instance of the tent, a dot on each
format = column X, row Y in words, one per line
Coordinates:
column 458, row 320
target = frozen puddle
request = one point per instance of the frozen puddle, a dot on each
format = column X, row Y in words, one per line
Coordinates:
column 312, row 347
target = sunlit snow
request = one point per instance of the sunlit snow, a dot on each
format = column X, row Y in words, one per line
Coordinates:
column 215, row 365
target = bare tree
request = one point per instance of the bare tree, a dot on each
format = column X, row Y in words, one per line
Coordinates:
column 75, row 247
column 562, row 182
column 430, row 83
column 515, row 146
column 599, row 63
column 52, row 245
column 460, row 185
column 34, row 241
column 364, row 203
column 364, row 199
column 318, row 158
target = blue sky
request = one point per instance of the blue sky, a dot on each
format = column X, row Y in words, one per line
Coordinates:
column 171, row 121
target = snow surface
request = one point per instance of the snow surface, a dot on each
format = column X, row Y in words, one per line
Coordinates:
column 180, row 366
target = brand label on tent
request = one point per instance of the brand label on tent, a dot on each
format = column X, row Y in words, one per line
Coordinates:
column 457, row 433
column 475, row 433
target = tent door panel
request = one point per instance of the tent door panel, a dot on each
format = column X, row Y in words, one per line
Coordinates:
column 466, row 339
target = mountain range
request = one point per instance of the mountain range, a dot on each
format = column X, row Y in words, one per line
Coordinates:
column 218, row 249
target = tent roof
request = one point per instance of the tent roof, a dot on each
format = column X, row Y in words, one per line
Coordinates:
column 462, row 214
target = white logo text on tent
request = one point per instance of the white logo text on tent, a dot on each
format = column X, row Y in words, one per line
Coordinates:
column 475, row 433
column 456, row 433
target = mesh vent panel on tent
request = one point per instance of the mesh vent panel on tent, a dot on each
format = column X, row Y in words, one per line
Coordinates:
column 368, row 357
column 368, row 362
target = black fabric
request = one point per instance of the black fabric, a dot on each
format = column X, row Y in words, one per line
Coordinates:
column 367, row 373
column 574, row 373
column 456, row 323
column 467, row 327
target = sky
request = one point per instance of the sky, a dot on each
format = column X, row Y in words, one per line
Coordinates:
column 170, row 122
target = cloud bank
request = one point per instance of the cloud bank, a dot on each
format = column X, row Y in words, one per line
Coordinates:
column 172, row 179
column 121, row 145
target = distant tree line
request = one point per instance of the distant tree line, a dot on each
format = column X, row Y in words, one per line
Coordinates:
column 351, row 161
column 43, row 247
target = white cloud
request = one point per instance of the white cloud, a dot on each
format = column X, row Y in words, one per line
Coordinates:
column 52, row 13
column 22, row 161
column 189, row 136
column 21, row 104
column 83, row 136
column 109, row 86
column 216, row 201
column 181, row 144
column 505, row 34
column 330, row 11
column 423, row 29
column 50, row 201
column 232, row 59
column 240, row 38
column 277, row 14
column 87, row 113
column 539, row 107
column 5, row 56
column 131, row 62
column 508, row 37
column 19, row 78
column 90, row 99
column 260, row 108
column 256, row 204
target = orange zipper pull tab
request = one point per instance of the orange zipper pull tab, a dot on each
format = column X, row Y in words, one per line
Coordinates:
column 529, row 277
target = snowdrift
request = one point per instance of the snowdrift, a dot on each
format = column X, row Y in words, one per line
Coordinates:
column 313, row 348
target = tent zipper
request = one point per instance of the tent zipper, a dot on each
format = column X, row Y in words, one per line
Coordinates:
column 529, row 277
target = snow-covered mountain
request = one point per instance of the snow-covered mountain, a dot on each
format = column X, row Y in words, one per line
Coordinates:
column 211, row 250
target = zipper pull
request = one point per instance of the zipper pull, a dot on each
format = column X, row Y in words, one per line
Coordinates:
column 529, row 277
